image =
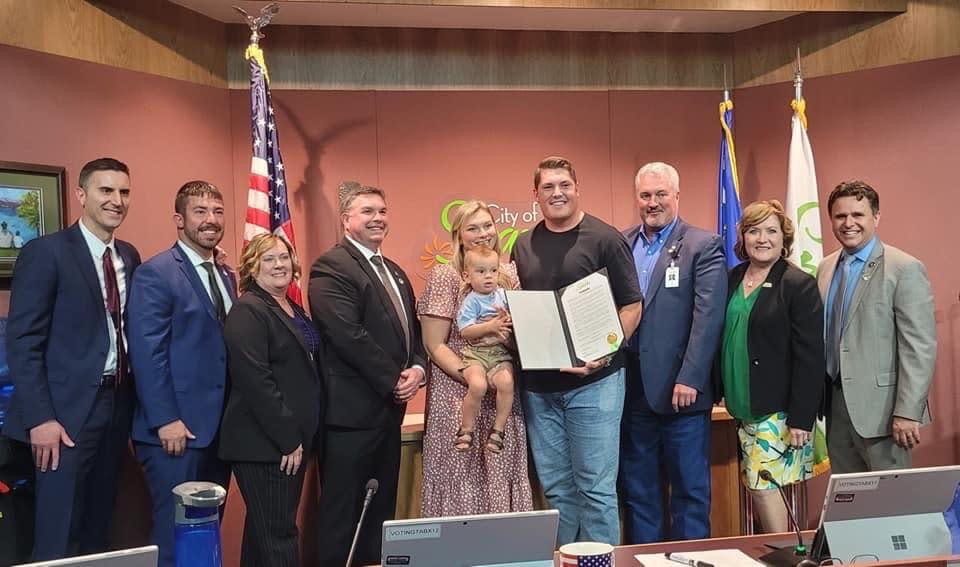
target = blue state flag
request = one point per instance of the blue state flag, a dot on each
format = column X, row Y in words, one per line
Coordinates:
column 728, row 209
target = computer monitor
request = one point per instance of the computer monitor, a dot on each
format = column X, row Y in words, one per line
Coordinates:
column 136, row 557
column 892, row 515
column 470, row 541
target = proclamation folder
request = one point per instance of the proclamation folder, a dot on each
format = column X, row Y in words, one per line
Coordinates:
column 567, row 327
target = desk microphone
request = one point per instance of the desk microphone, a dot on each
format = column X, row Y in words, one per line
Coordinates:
column 786, row 557
column 372, row 486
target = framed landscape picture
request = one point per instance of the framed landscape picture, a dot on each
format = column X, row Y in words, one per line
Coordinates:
column 32, row 204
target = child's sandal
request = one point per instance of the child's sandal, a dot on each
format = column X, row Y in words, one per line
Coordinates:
column 495, row 441
column 463, row 440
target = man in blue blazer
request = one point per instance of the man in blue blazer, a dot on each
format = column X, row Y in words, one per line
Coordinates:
column 666, row 419
column 178, row 302
column 72, row 396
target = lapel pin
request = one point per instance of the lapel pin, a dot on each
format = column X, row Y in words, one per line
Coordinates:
column 767, row 284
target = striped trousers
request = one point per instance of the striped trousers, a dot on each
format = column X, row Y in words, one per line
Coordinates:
column 270, row 534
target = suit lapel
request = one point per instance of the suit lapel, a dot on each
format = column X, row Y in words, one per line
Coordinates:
column 656, row 278
column 406, row 292
column 768, row 289
column 281, row 315
column 874, row 263
column 81, row 252
column 825, row 276
column 378, row 286
column 229, row 281
column 190, row 273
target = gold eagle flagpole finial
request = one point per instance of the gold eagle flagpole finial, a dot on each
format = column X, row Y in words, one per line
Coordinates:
column 258, row 23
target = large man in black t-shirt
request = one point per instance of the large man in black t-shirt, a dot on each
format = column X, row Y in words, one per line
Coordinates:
column 573, row 415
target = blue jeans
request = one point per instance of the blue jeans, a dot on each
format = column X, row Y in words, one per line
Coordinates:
column 681, row 442
column 575, row 440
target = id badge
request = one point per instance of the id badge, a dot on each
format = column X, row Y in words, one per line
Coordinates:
column 672, row 278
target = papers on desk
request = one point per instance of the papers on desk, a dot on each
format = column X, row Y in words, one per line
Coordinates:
column 568, row 327
column 716, row 557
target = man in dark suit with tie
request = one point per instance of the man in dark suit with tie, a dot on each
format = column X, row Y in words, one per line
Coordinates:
column 178, row 302
column 666, row 419
column 66, row 336
column 372, row 361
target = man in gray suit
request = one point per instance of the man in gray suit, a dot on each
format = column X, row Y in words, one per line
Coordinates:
column 880, row 336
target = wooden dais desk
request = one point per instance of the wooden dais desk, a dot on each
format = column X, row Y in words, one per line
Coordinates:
column 724, row 471
column 754, row 546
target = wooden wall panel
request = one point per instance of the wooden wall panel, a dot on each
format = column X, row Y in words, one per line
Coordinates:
column 729, row 5
column 302, row 57
column 840, row 43
column 153, row 36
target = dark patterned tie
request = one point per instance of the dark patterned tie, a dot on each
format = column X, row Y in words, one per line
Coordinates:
column 215, row 291
column 394, row 298
column 113, row 306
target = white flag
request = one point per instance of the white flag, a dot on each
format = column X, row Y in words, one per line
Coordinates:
column 803, row 205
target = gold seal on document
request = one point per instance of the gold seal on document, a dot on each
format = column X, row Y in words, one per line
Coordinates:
column 612, row 338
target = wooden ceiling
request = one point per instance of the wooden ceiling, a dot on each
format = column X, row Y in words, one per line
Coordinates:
column 681, row 16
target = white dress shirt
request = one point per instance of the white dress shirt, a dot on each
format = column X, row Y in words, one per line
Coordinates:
column 97, row 247
column 196, row 260
column 367, row 253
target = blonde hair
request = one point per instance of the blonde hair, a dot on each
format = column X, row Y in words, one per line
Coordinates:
column 470, row 257
column 253, row 253
column 756, row 213
column 464, row 212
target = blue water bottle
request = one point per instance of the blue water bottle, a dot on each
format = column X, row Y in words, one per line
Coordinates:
column 197, row 530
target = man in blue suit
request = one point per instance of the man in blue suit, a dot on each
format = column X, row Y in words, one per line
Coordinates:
column 666, row 420
column 178, row 302
column 72, row 398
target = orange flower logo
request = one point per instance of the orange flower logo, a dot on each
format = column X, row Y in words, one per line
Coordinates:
column 434, row 253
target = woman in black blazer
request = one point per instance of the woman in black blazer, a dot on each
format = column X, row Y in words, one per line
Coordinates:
column 274, row 410
column 772, row 360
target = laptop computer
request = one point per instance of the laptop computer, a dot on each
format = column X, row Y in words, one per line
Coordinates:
column 892, row 515
column 136, row 557
column 471, row 541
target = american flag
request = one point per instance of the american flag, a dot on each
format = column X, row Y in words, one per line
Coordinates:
column 267, row 206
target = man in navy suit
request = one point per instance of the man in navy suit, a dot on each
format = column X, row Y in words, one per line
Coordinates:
column 666, row 420
column 178, row 302
column 66, row 336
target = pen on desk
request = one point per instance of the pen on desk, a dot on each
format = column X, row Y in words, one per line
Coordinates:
column 677, row 558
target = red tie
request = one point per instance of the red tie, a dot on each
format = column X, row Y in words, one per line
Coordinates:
column 113, row 306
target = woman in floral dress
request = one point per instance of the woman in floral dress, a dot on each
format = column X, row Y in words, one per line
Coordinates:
column 474, row 481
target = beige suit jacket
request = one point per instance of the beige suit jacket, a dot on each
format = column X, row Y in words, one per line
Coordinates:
column 888, row 347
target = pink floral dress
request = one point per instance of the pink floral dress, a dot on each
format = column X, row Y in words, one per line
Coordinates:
column 474, row 481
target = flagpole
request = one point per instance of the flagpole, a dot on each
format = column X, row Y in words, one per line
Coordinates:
column 798, row 79
column 798, row 492
column 268, row 206
column 726, row 91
